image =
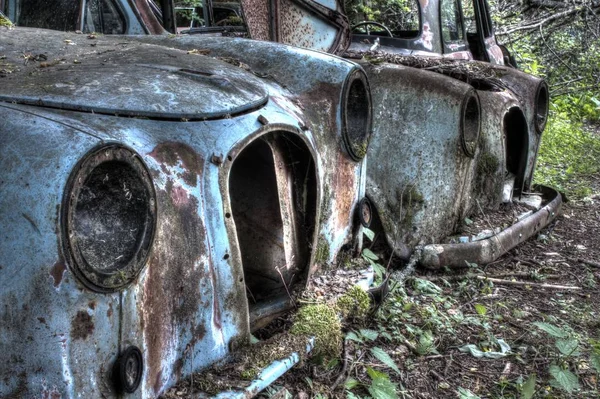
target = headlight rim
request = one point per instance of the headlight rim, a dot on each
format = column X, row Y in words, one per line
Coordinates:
column 470, row 100
column 354, row 151
column 93, row 278
column 541, row 125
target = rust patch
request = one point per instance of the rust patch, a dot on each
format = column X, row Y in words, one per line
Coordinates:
column 344, row 189
column 172, row 290
column 57, row 271
column 82, row 325
column 171, row 153
column 256, row 13
column 109, row 312
column 42, row 320
column 92, row 305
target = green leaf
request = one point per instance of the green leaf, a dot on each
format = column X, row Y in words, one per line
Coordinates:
column 353, row 337
column 595, row 361
column 426, row 286
column 425, row 343
column 480, row 309
column 374, row 374
column 567, row 346
column 367, row 253
column 565, row 379
column 350, row 383
column 385, row 358
column 370, row 335
column 528, row 388
column 468, row 221
column 466, row 394
column 551, row 329
column 369, row 233
column 351, row 395
column 382, row 388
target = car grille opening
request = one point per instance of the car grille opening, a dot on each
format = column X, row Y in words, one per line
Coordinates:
column 273, row 192
column 516, row 146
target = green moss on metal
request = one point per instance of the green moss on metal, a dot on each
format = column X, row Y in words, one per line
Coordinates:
column 354, row 304
column 488, row 164
column 320, row 321
column 322, row 252
column 412, row 202
column 360, row 150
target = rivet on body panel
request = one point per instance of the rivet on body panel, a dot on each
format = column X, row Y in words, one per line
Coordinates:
column 216, row 159
column 262, row 120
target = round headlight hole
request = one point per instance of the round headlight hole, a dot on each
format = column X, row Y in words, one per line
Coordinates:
column 128, row 370
column 356, row 115
column 541, row 107
column 365, row 212
column 109, row 218
column 470, row 124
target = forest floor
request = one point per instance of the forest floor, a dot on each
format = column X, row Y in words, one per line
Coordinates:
column 532, row 333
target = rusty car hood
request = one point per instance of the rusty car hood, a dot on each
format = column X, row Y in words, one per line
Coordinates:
column 117, row 76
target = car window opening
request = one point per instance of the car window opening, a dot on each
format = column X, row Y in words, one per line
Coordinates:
column 401, row 18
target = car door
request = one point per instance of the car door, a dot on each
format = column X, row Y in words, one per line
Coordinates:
column 480, row 32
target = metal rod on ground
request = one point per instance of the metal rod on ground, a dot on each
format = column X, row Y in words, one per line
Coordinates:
column 523, row 283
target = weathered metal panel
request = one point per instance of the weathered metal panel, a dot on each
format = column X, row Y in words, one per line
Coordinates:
column 318, row 25
column 313, row 81
column 486, row 251
column 417, row 170
column 144, row 81
column 55, row 337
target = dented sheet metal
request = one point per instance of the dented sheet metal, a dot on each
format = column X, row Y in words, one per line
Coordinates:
column 187, row 307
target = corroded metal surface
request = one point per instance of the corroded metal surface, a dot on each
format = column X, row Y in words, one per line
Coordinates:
column 485, row 251
column 109, row 67
column 187, row 309
column 314, row 86
column 319, row 25
column 417, row 174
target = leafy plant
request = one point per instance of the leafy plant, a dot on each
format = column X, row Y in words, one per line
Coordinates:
column 567, row 346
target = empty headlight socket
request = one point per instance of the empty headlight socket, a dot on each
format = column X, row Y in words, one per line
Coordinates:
column 108, row 218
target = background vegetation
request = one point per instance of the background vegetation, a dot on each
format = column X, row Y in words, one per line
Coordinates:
column 560, row 41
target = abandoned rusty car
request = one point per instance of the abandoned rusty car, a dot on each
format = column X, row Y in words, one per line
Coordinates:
column 172, row 189
column 157, row 204
column 447, row 110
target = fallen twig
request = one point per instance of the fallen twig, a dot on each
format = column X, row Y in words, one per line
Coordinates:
column 500, row 275
column 342, row 377
column 589, row 262
column 523, row 283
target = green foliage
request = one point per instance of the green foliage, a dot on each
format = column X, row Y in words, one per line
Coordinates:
column 383, row 357
column 551, row 329
column 568, row 155
column 527, row 389
column 466, row 394
column 381, row 387
column 568, row 346
column 563, row 378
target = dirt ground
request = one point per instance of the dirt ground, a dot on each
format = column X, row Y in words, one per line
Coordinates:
column 425, row 324
column 464, row 309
